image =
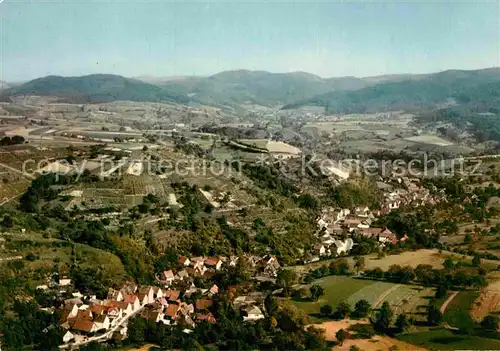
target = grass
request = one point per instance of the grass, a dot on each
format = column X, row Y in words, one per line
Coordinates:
column 371, row 292
column 337, row 289
column 457, row 313
column 444, row 339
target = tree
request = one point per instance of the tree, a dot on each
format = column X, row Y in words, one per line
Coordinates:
column 343, row 310
column 467, row 239
column 402, row 322
column 384, row 317
column 326, row 310
column 316, row 292
column 271, row 305
column 341, row 336
column 490, row 322
column 360, row 264
column 433, row 315
column 136, row 328
column 448, row 263
column 361, row 308
column 286, row 278
column 354, row 348
column 476, row 261
column 441, row 290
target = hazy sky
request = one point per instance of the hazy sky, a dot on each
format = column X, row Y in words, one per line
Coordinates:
column 134, row 38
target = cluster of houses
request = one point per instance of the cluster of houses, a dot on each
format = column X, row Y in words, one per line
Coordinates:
column 176, row 301
column 334, row 224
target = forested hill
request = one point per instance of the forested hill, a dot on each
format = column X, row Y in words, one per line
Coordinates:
column 259, row 87
column 93, row 89
column 451, row 87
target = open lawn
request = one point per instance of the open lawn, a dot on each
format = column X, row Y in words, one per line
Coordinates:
column 457, row 313
column 444, row 339
column 337, row 289
column 402, row 298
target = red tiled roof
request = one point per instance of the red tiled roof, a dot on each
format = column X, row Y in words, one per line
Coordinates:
column 172, row 295
column 172, row 310
column 183, row 259
column 209, row 317
column 211, row 261
column 84, row 325
column 129, row 298
column 203, row 304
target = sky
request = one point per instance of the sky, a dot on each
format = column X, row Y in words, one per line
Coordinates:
column 168, row 38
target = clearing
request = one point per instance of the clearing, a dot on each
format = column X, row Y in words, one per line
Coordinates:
column 375, row 343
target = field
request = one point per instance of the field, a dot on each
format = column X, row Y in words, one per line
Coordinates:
column 444, row 339
column 402, row 298
column 457, row 313
column 376, row 343
column 410, row 258
column 430, row 139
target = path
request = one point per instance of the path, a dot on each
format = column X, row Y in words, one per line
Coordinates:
column 447, row 302
column 384, row 295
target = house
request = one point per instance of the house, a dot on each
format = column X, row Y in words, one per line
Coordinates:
column 154, row 316
column 64, row 281
column 157, row 292
column 253, row 313
column 343, row 246
column 168, row 277
column 115, row 295
column 184, row 261
column 189, row 321
column 182, row 275
column 362, row 211
column 67, row 337
column 143, row 299
column 197, row 262
column 133, row 300
column 102, row 322
column 42, row 287
column 320, row 249
column 206, row 317
column 72, row 310
column 119, row 308
column 203, row 304
column 171, row 312
column 172, row 295
column 233, row 260
column 271, row 265
column 214, row 290
column 213, row 262
column 149, row 291
column 387, row 236
column 85, row 326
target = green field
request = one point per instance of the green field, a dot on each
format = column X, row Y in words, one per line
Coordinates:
column 443, row 339
column 337, row 289
column 457, row 313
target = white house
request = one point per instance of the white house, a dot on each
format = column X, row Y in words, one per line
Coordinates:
column 253, row 313
column 67, row 337
column 102, row 322
column 133, row 300
column 320, row 249
column 64, row 281
column 168, row 277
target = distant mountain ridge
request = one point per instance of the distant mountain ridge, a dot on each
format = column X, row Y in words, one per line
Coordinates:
column 414, row 92
column 282, row 90
column 94, row 88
